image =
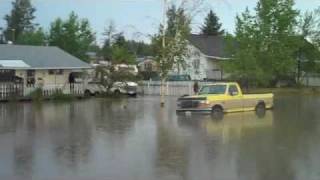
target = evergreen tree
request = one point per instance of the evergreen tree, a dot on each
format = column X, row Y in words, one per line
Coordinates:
column 177, row 19
column 35, row 37
column 171, row 21
column 176, row 34
column 109, row 34
column 20, row 19
column 73, row 35
column 212, row 26
column 120, row 40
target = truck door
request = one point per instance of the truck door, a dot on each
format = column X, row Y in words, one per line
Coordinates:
column 234, row 101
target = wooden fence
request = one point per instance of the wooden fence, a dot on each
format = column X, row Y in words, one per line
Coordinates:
column 20, row 91
column 170, row 88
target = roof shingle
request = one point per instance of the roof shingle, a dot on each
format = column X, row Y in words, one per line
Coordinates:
column 41, row 57
column 209, row 45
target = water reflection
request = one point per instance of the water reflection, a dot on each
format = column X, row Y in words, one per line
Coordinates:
column 135, row 139
column 72, row 141
column 218, row 150
column 117, row 116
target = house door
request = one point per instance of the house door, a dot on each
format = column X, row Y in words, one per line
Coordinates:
column 31, row 77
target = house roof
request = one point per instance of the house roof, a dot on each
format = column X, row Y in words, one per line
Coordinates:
column 39, row 57
column 212, row 46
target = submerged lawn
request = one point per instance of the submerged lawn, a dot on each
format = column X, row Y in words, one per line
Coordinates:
column 286, row 91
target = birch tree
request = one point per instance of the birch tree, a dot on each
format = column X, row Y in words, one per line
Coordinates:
column 170, row 44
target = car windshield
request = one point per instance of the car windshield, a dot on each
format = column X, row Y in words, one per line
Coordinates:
column 213, row 89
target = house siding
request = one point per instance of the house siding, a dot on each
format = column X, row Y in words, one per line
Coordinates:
column 199, row 66
column 214, row 70
column 48, row 79
column 53, row 79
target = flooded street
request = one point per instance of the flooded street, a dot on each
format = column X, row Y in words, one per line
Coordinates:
column 133, row 139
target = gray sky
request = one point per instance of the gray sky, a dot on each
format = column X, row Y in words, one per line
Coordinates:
column 137, row 18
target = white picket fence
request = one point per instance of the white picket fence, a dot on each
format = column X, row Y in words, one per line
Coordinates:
column 50, row 89
column 312, row 80
column 11, row 90
column 170, row 88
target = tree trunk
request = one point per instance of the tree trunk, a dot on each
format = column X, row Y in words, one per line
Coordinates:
column 162, row 92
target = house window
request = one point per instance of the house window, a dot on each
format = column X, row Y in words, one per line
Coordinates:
column 31, row 77
column 55, row 72
column 196, row 53
column 196, row 64
column 148, row 66
column 7, row 75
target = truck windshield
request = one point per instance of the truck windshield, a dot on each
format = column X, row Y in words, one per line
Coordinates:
column 213, row 89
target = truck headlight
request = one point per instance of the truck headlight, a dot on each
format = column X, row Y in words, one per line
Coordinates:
column 204, row 102
column 178, row 103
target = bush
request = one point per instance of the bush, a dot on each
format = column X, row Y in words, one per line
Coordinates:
column 59, row 96
column 36, row 95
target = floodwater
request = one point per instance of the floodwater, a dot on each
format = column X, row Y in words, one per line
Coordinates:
column 133, row 139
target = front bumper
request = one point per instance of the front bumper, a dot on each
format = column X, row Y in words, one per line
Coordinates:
column 207, row 110
column 131, row 92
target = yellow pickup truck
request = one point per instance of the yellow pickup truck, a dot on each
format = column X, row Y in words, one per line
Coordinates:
column 224, row 97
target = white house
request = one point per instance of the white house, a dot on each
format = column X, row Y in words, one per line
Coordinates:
column 31, row 65
column 147, row 64
column 205, row 55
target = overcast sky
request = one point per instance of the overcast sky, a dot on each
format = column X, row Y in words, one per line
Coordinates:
column 137, row 18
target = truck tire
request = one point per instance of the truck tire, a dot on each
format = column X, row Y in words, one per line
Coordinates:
column 87, row 93
column 117, row 92
column 261, row 109
column 217, row 112
column 97, row 93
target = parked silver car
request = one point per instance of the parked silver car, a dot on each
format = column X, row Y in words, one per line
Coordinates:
column 128, row 88
column 94, row 88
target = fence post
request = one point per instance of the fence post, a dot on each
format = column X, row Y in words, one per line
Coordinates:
column 5, row 91
column 2, row 91
column 167, row 88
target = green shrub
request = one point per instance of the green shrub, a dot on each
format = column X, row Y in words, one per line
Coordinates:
column 60, row 96
column 36, row 95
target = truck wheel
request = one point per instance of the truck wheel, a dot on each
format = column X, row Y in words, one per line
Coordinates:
column 117, row 92
column 87, row 93
column 261, row 109
column 217, row 113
